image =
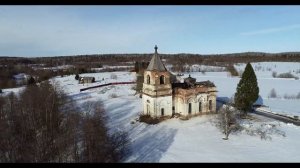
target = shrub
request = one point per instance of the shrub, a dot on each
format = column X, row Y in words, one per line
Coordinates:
column 273, row 93
column 148, row 119
column 286, row 75
column 286, row 96
column 76, row 77
column 298, row 96
column 274, row 74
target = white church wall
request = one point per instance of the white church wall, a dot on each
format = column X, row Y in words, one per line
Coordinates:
column 202, row 98
column 156, row 104
column 213, row 100
column 179, row 105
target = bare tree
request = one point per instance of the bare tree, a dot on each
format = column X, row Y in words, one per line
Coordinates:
column 97, row 144
column 274, row 74
column 227, row 120
column 42, row 125
column 273, row 93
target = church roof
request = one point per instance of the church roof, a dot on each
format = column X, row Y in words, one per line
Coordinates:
column 186, row 85
column 156, row 63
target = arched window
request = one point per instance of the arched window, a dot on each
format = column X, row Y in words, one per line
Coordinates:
column 162, row 79
column 148, row 79
column 162, row 112
column 190, row 108
column 210, row 105
column 200, row 108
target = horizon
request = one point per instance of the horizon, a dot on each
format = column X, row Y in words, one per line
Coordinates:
column 145, row 53
column 48, row 31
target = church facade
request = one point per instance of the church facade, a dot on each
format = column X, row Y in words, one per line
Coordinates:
column 163, row 95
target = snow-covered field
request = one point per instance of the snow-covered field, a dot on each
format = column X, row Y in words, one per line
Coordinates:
column 174, row 140
column 197, row 139
column 265, row 69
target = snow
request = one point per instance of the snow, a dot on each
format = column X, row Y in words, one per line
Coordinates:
column 197, row 139
column 56, row 68
column 265, row 69
column 174, row 140
column 16, row 91
column 206, row 68
column 112, row 67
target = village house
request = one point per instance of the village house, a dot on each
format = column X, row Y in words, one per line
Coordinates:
column 162, row 95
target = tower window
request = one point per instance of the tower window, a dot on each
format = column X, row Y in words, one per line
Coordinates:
column 148, row 79
column 162, row 79
column 210, row 105
column 162, row 112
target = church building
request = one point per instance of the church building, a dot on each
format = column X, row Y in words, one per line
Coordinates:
column 162, row 95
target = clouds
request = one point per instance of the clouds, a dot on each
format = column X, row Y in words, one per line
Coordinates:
column 271, row 30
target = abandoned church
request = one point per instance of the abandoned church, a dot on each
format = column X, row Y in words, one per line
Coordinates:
column 164, row 95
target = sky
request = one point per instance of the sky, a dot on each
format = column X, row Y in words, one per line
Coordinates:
column 36, row 31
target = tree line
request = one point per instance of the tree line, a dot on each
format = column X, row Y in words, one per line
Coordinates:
column 97, row 60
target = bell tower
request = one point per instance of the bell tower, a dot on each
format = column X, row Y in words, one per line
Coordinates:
column 157, row 89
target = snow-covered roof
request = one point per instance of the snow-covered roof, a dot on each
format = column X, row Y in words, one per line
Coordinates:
column 156, row 63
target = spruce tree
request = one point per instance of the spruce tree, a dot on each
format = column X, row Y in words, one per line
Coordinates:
column 247, row 90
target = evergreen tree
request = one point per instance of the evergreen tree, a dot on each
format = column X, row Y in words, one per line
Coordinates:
column 247, row 90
